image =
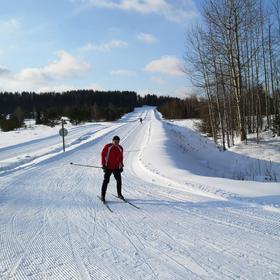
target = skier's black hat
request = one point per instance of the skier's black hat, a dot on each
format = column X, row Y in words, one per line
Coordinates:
column 116, row 138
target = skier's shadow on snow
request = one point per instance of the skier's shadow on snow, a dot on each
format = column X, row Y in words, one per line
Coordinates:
column 244, row 202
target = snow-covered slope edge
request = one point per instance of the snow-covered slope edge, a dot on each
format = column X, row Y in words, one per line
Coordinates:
column 197, row 166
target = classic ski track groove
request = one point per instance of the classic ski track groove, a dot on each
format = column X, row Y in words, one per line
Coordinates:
column 151, row 247
column 98, row 211
column 138, row 250
column 158, row 251
column 211, row 245
column 217, row 248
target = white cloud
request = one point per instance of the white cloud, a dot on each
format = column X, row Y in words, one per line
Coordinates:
column 103, row 47
column 9, row 25
column 63, row 88
column 169, row 65
column 181, row 92
column 146, row 38
column 185, row 92
column 32, row 74
column 4, row 71
column 123, row 72
column 158, row 80
column 96, row 87
column 56, row 88
column 66, row 67
column 175, row 10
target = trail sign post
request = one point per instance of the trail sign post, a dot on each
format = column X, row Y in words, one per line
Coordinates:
column 63, row 132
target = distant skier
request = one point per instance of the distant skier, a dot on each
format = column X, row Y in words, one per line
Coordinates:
column 141, row 120
column 112, row 162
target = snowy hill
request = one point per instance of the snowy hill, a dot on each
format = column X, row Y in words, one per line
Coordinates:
column 196, row 220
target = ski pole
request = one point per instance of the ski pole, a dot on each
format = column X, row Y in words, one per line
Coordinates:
column 85, row 165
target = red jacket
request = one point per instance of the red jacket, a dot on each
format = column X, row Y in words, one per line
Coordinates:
column 112, row 156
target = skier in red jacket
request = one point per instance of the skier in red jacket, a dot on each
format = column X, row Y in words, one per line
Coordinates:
column 112, row 162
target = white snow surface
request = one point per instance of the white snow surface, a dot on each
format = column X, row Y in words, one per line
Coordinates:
column 204, row 214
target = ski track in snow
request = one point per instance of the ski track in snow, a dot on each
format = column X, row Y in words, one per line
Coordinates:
column 53, row 226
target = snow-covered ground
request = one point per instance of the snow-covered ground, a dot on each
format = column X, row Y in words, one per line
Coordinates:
column 196, row 220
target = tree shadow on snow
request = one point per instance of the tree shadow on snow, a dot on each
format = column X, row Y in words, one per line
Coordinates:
column 199, row 155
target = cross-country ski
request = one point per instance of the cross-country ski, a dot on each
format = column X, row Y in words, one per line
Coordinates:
column 127, row 201
column 105, row 204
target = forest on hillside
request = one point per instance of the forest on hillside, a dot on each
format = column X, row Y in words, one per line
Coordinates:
column 85, row 105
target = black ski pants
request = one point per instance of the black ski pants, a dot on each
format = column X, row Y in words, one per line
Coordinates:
column 106, row 180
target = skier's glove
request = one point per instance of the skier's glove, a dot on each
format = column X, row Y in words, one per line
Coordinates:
column 121, row 169
column 104, row 168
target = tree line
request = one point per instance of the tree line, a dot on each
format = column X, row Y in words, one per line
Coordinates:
column 80, row 106
column 77, row 105
column 234, row 58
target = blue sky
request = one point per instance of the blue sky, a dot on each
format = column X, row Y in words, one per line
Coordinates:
column 95, row 44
